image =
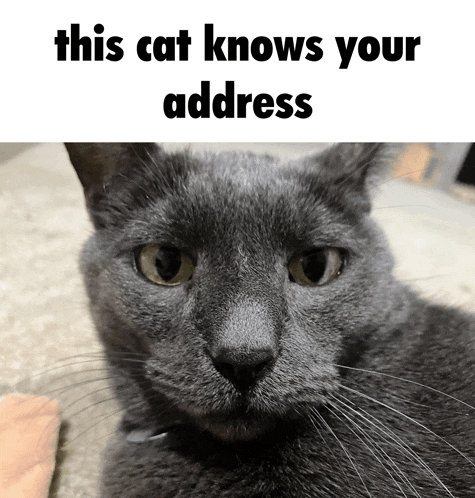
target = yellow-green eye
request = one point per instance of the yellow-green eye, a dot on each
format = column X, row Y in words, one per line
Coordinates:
column 317, row 267
column 164, row 265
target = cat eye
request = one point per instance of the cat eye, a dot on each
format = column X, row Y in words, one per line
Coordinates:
column 317, row 267
column 164, row 265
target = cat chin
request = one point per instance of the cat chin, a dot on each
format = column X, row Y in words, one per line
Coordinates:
column 236, row 429
column 236, row 422
column 240, row 421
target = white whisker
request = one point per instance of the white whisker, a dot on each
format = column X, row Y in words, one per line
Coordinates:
column 376, row 448
column 325, row 423
column 402, row 379
column 413, row 421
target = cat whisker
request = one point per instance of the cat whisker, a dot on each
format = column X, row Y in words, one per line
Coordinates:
column 417, row 279
column 115, row 412
column 112, row 398
column 62, row 389
column 77, row 400
column 396, row 177
column 402, row 379
column 115, row 353
column 79, row 374
column 314, row 421
column 374, row 445
column 407, row 417
column 388, row 435
column 102, row 419
column 325, row 423
column 402, row 206
column 370, row 156
column 401, row 445
column 67, row 444
column 149, row 156
column 61, row 364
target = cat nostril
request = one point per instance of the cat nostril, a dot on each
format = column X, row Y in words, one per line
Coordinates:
column 225, row 369
column 242, row 370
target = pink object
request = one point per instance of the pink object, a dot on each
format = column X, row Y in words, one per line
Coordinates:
column 28, row 437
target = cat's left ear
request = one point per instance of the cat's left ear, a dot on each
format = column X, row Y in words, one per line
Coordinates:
column 351, row 169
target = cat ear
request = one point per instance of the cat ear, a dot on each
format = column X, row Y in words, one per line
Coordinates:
column 352, row 168
column 102, row 165
column 94, row 161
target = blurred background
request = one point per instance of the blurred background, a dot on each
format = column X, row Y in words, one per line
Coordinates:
column 447, row 166
column 48, row 346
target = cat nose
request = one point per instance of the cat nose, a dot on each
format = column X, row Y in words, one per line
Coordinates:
column 243, row 368
column 244, row 345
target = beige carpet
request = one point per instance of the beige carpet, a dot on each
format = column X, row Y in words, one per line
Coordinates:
column 44, row 317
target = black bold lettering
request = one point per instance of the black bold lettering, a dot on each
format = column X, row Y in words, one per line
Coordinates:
column 312, row 45
column 346, row 51
column 227, row 100
column 260, row 102
column 212, row 47
column 263, row 54
column 302, row 102
column 373, row 53
column 113, row 46
column 77, row 42
column 164, row 48
column 98, row 43
column 174, row 106
column 183, row 41
column 243, row 43
column 242, row 101
column 411, row 44
column 142, row 45
column 388, row 54
column 289, row 46
column 201, row 100
column 61, row 40
column 286, row 110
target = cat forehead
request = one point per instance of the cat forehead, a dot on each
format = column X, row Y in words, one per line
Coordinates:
column 244, row 170
column 232, row 184
column 249, row 182
column 234, row 197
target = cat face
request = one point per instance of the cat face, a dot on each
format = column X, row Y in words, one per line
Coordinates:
column 227, row 289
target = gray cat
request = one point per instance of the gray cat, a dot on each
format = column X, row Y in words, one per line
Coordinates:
column 259, row 344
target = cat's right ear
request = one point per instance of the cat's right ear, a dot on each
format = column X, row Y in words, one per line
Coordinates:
column 93, row 162
column 98, row 164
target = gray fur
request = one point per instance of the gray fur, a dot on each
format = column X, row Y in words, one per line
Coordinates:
column 370, row 389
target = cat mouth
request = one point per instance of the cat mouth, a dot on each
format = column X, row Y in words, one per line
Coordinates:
column 241, row 420
column 230, row 428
